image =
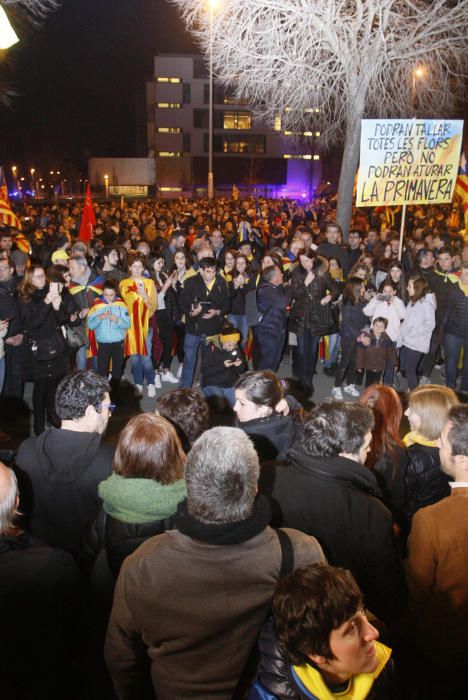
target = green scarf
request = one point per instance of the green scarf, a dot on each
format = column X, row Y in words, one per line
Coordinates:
column 140, row 500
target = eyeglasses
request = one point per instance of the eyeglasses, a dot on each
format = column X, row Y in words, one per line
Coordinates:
column 110, row 407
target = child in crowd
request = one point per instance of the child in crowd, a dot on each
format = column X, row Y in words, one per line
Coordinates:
column 222, row 363
column 109, row 319
column 375, row 350
column 388, row 305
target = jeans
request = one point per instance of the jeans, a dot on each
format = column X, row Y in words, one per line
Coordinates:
column 240, row 322
column 452, row 346
column 142, row 365
column 228, row 393
column 409, row 362
column 164, row 325
column 82, row 361
column 388, row 373
column 306, row 356
column 334, row 342
column 347, row 368
column 191, row 346
column 271, row 348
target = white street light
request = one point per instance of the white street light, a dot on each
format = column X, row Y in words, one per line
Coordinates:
column 8, row 36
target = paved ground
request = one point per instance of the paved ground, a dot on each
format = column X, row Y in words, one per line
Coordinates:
column 20, row 426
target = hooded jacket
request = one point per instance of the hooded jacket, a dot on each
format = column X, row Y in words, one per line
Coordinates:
column 272, row 436
column 59, row 472
column 338, row 501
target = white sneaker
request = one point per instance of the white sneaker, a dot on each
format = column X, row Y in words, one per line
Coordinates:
column 424, row 380
column 169, row 377
column 151, row 391
column 157, row 380
column 337, row 393
column 351, row 390
column 179, row 371
column 138, row 391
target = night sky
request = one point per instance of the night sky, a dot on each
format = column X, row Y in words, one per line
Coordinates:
column 81, row 81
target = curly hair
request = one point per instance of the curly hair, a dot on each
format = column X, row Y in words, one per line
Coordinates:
column 77, row 391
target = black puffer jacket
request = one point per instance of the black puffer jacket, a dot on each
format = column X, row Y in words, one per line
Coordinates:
column 275, row 672
column 338, row 501
column 306, row 311
column 115, row 540
column 456, row 318
column 425, row 482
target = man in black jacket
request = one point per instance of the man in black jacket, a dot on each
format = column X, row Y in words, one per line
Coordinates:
column 205, row 303
column 59, row 471
column 326, row 491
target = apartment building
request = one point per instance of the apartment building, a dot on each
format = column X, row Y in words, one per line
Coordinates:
column 247, row 153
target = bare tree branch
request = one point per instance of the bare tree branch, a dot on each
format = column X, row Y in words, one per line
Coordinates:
column 338, row 60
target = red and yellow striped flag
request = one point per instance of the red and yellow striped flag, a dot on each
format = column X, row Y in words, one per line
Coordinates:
column 7, row 216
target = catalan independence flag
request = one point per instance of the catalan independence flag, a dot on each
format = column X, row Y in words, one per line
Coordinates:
column 7, row 216
column 461, row 188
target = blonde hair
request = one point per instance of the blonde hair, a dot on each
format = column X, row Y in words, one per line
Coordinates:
column 432, row 403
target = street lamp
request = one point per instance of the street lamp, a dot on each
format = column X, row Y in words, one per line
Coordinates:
column 418, row 74
column 8, row 36
column 106, row 182
column 213, row 4
column 14, row 171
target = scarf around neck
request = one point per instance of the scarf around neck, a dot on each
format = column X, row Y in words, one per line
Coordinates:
column 224, row 533
column 413, row 437
column 140, row 500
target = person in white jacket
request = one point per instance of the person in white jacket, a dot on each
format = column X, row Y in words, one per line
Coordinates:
column 387, row 305
column 416, row 330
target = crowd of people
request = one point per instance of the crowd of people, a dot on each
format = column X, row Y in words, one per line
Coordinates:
column 163, row 280
column 259, row 561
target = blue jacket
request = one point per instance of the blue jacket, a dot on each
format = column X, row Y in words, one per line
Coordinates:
column 108, row 331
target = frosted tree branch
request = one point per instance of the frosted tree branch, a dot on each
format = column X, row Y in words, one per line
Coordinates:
column 36, row 8
column 346, row 58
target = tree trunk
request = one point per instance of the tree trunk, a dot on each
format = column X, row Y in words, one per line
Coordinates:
column 347, row 173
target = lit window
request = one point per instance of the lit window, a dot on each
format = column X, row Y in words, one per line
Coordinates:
column 161, row 79
column 300, row 157
column 277, row 125
column 237, row 120
column 170, row 189
column 168, row 105
column 169, row 130
column 169, row 154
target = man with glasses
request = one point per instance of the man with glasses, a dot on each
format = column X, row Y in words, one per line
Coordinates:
column 59, row 470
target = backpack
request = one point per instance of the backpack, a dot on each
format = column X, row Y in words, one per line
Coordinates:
column 251, row 309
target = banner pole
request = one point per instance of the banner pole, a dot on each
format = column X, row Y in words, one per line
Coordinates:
column 402, row 231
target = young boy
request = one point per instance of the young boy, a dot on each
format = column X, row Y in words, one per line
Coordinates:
column 109, row 319
column 222, row 363
column 375, row 351
column 322, row 645
column 387, row 305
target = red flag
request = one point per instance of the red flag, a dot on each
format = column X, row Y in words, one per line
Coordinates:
column 6, row 214
column 88, row 220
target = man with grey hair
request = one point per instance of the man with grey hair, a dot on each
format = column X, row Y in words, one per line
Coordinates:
column 194, row 599
column 39, row 592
